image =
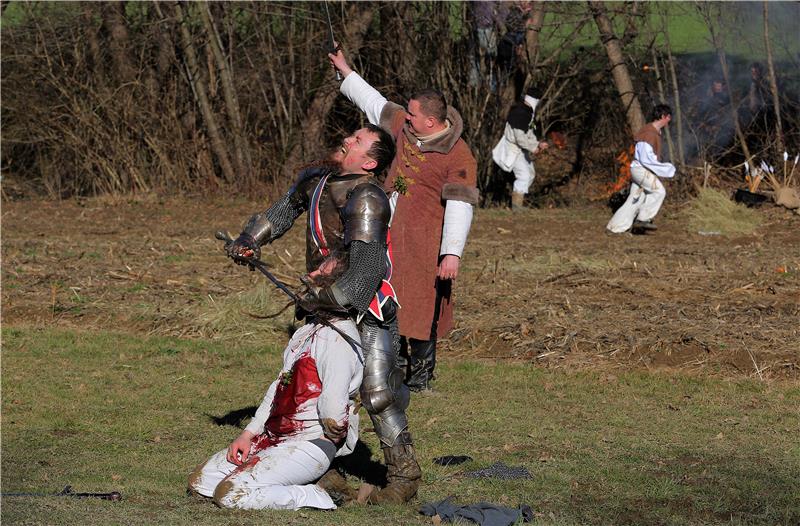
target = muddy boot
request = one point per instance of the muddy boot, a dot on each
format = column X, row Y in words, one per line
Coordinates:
column 336, row 486
column 403, row 473
column 422, row 361
column 517, row 202
column 644, row 225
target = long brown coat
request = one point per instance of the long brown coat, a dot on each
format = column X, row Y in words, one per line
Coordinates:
column 432, row 173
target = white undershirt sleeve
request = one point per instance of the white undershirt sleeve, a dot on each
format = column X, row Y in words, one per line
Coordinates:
column 256, row 425
column 337, row 366
column 526, row 140
column 367, row 98
column 646, row 157
column 457, row 220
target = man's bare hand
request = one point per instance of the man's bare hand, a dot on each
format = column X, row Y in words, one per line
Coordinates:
column 333, row 430
column 239, row 449
column 339, row 61
column 448, row 267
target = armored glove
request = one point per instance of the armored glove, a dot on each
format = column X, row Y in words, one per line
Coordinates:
column 243, row 248
column 318, row 300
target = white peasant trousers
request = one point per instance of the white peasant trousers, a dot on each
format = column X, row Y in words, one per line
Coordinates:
column 523, row 174
column 643, row 203
column 278, row 479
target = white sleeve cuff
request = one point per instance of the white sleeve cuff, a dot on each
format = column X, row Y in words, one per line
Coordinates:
column 457, row 220
column 367, row 98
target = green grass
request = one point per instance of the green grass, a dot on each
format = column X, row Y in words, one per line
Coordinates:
column 104, row 411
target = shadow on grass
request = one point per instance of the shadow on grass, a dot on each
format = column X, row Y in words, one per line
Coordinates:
column 234, row 418
column 360, row 464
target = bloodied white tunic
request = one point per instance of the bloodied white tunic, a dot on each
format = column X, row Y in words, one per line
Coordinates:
column 320, row 380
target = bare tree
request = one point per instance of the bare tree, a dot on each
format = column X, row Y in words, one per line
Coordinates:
column 773, row 84
column 619, row 70
column 116, row 26
column 676, row 94
column 241, row 149
column 532, row 31
column 201, row 95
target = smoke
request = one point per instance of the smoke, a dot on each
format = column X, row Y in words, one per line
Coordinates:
column 708, row 126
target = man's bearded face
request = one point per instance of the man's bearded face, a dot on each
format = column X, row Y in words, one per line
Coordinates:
column 352, row 153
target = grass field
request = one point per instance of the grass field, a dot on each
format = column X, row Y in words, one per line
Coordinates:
column 105, row 411
column 641, row 380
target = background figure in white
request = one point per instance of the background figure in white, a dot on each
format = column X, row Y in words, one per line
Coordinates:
column 516, row 148
column 647, row 193
column 307, row 417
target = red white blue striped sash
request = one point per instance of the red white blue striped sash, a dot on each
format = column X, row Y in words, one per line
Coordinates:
column 314, row 219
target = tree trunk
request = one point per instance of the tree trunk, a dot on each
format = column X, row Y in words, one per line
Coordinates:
column 619, row 70
column 532, row 31
column 113, row 14
column 662, row 99
column 92, row 42
column 359, row 18
column 773, row 84
column 676, row 96
column 242, row 152
column 193, row 70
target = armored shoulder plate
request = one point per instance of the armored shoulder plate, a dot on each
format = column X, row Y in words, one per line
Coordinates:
column 366, row 214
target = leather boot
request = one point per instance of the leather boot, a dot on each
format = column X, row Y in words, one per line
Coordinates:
column 517, row 202
column 422, row 361
column 403, row 473
column 336, row 486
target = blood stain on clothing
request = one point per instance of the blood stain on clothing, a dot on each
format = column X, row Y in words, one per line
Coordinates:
column 301, row 386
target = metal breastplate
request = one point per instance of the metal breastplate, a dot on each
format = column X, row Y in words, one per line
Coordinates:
column 332, row 198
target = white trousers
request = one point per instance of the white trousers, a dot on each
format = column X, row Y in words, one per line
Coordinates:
column 274, row 478
column 523, row 174
column 643, row 203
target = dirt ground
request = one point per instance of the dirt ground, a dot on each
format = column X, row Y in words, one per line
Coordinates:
column 546, row 286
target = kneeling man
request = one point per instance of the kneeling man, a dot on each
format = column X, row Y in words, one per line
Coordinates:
column 308, row 416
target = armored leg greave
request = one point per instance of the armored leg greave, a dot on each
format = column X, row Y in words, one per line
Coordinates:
column 386, row 398
column 382, row 391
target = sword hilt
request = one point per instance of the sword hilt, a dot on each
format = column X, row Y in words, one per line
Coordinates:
column 223, row 235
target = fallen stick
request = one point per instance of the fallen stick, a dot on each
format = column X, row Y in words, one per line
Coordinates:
column 114, row 496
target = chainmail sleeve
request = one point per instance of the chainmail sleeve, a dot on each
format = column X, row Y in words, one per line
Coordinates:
column 363, row 277
column 278, row 219
column 283, row 213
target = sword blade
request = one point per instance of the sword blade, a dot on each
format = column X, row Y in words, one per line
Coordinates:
column 333, row 39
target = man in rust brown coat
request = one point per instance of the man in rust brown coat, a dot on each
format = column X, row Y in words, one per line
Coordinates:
column 433, row 177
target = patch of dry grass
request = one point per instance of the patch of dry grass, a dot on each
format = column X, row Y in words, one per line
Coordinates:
column 713, row 211
column 255, row 311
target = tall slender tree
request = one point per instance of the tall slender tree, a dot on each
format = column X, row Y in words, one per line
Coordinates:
column 773, row 84
column 619, row 70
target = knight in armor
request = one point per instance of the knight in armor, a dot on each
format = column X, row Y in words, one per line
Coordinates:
column 348, row 257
